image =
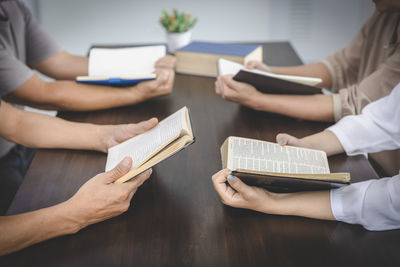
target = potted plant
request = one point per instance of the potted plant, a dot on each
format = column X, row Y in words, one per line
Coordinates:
column 178, row 27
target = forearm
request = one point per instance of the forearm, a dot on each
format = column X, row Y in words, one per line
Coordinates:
column 315, row 205
column 64, row 66
column 20, row 231
column 317, row 70
column 69, row 95
column 317, row 107
column 325, row 140
column 50, row 132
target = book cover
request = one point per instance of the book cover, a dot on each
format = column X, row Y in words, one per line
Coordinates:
column 240, row 50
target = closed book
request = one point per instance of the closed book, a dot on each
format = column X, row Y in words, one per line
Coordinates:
column 201, row 58
column 268, row 82
column 279, row 168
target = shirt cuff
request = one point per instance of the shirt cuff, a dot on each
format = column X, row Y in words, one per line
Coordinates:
column 332, row 71
column 344, row 140
column 337, row 204
column 347, row 202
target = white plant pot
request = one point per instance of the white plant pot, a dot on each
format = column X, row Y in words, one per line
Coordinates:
column 178, row 40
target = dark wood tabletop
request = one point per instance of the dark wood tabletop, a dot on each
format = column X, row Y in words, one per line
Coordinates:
column 176, row 218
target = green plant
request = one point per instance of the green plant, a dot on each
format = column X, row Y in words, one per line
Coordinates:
column 177, row 22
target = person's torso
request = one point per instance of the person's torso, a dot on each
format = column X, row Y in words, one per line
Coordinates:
column 12, row 29
column 381, row 43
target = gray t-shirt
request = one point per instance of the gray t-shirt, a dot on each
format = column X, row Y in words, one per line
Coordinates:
column 23, row 43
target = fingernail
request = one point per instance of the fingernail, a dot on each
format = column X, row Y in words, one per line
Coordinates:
column 151, row 171
column 125, row 162
column 231, row 178
column 281, row 141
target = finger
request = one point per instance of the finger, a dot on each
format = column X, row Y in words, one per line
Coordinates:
column 143, row 126
column 238, row 185
column 161, row 77
column 216, row 87
column 219, row 182
column 232, row 84
column 220, row 85
column 137, row 181
column 284, row 139
column 120, row 170
column 251, row 64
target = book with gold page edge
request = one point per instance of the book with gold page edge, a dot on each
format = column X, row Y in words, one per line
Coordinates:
column 279, row 168
column 170, row 136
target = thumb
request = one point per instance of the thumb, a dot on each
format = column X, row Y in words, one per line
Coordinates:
column 284, row 139
column 121, row 169
column 143, row 126
column 238, row 185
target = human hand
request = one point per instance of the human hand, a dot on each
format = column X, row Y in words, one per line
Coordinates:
column 241, row 93
column 100, row 198
column 255, row 64
column 111, row 135
column 166, row 62
column 159, row 87
column 239, row 195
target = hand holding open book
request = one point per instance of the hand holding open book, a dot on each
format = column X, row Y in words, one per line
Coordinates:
column 267, row 82
column 146, row 150
column 280, row 168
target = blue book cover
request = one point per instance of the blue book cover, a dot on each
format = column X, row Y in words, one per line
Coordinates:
column 240, row 50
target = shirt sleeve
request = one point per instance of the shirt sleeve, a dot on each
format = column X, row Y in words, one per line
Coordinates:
column 39, row 43
column 353, row 99
column 375, row 204
column 376, row 129
column 13, row 73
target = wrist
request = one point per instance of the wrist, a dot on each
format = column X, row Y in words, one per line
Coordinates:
column 68, row 222
column 137, row 93
column 99, row 141
column 259, row 101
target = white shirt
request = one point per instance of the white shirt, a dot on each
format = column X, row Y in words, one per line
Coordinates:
column 375, row 204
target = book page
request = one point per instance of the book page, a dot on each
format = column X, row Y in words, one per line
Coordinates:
column 255, row 155
column 142, row 146
column 121, row 62
column 228, row 67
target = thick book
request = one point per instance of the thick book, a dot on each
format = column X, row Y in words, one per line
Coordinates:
column 279, row 168
column 268, row 82
column 171, row 135
column 200, row 58
column 122, row 66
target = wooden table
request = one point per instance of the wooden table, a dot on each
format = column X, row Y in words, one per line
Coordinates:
column 176, row 218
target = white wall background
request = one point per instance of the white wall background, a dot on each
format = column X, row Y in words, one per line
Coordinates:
column 315, row 27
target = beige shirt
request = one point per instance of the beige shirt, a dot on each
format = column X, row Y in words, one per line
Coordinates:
column 368, row 68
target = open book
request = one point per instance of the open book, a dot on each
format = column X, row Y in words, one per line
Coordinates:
column 170, row 136
column 122, row 66
column 279, row 168
column 267, row 82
